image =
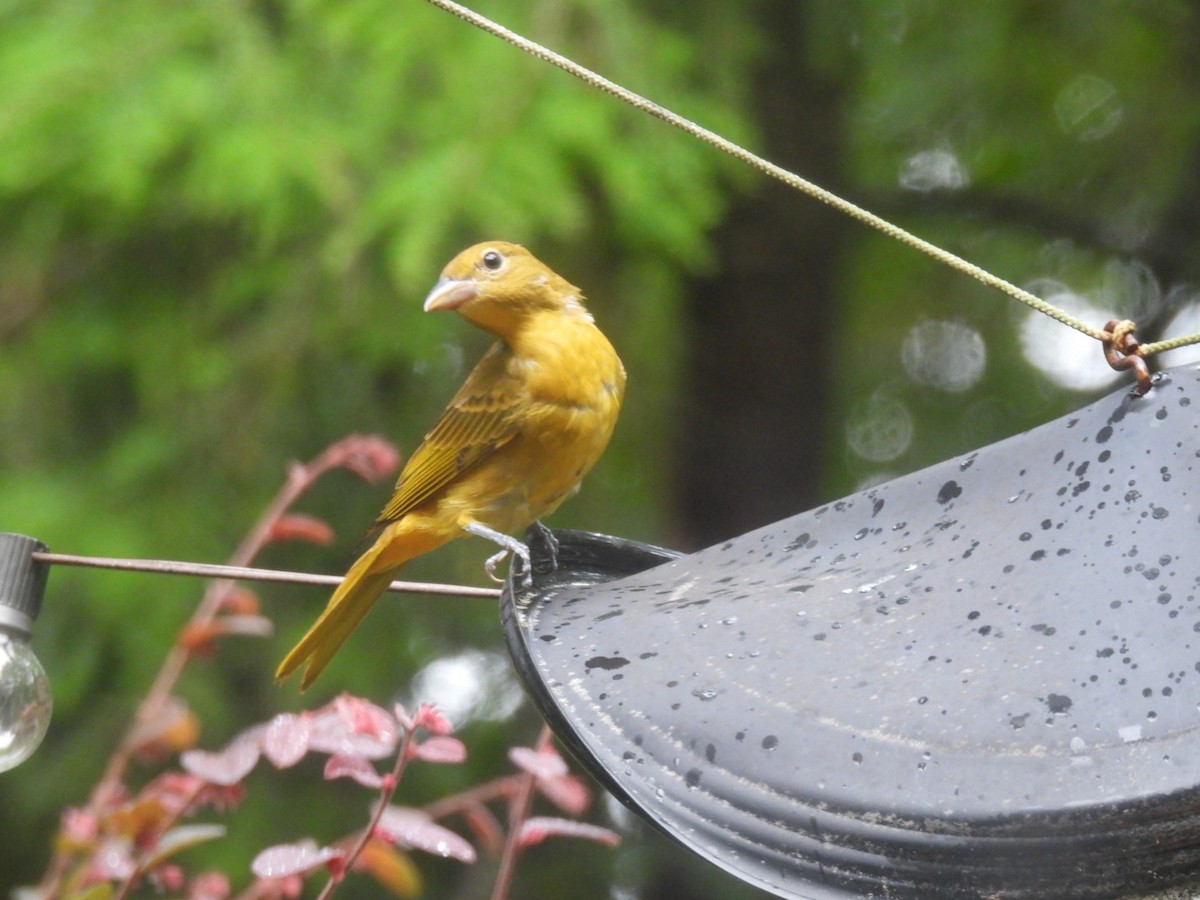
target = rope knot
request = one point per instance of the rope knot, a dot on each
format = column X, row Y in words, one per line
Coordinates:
column 1123, row 351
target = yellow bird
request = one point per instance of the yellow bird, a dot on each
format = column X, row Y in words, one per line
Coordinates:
column 532, row 418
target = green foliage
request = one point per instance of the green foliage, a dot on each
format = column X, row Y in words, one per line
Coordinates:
column 219, row 220
column 1073, row 131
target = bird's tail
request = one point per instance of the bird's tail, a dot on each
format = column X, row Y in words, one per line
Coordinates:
column 350, row 602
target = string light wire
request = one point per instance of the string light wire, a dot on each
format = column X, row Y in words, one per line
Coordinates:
column 244, row 573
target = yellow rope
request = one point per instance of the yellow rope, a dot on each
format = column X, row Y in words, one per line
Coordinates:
column 792, row 180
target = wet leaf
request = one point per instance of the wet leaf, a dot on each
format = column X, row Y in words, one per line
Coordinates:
column 226, row 767
column 413, row 828
column 299, row 858
column 299, row 527
column 539, row 828
column 567, row 792
column 368, row 456
column 440, row 749
column 285, row 740
column 539, row 763
column 173, row 728
column 182, row 838
column 353, row 726
column 342, row 765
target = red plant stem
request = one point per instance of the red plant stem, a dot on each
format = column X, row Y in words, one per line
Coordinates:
column 518, row 812
column 163, row 827
column 504, row 786
column 386, row 793
column 300, row 478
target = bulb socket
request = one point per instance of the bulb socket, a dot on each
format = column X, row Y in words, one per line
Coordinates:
column 22, row 583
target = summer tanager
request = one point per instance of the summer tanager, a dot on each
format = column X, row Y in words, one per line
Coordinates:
column 530, row 421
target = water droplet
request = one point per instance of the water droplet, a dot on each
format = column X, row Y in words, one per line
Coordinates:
column 1130, row 733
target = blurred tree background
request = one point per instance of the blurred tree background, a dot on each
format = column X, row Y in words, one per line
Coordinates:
column 219, row 220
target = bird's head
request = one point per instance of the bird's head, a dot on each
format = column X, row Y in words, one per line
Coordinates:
column 497, row 286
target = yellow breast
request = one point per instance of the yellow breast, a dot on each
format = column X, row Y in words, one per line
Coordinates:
column 573, row 384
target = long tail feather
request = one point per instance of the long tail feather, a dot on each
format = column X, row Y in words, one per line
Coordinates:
column 346, row 608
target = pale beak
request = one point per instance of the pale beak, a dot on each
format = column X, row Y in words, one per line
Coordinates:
column 450, row 293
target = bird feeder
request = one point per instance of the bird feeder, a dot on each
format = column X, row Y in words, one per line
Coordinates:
column 978, row 680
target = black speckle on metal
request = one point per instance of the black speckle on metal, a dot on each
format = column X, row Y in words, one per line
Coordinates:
column 978, row 680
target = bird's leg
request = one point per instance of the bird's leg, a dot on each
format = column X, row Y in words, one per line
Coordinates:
column 509, row 545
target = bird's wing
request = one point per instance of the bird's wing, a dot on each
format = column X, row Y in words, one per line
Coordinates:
column 481, row 417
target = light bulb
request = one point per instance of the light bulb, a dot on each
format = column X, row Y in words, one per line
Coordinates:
column 25, row 702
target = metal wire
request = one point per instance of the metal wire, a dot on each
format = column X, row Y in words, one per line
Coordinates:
column 242, row 573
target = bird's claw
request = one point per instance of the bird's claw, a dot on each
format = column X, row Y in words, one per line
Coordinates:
column 509, row 545
column 489, row 566
column 547, row 544
column 522, row 568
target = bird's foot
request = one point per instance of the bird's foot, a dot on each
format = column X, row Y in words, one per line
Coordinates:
column 490, row 564
column 509, row 545
column 544, row 545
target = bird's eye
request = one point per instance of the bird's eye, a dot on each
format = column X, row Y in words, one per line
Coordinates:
column 492, row 260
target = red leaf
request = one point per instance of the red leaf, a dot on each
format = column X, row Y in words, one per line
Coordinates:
column 172, row 728
column 544, row 763
column 415, row 829
column 228, row 766
column 431, row 719
column 355, row 727
column 240, row 601
column 299, row 527
column 294, row 859
column 538, row 828
column 174, row 791
column 370, row 457
column 111, row 862
column 364, row 717
column 440, row 749
column 485, row 827
column 209, row 886
column 342, row 765
column 285, row 739
column 169, row 877
column 78, row 827
column 200, row 639
column 567, row 792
